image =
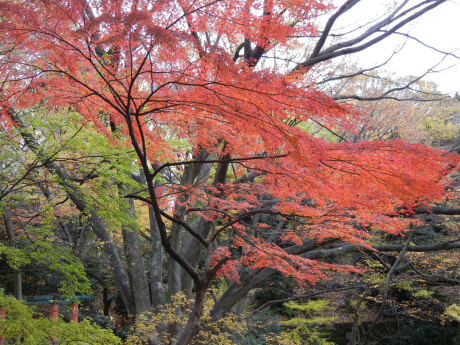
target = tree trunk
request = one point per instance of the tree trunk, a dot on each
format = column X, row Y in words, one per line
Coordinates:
column 11, row 236
column 156, row 264
column 192, row 327
column 191, row 246
column 119, row 274
column 98, row 226
column 191, row 250
column 174, row 285
column 191, row 172
column 138, row 281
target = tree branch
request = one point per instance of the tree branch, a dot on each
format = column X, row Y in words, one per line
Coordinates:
column 387, row 286
column 353, row 45
column 310, row 295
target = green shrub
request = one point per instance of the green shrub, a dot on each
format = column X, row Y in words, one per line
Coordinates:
column 24, row 325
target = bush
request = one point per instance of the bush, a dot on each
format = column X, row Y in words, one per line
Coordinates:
column 24, row 325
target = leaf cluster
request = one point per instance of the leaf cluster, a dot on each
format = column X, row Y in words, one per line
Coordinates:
column 25, row 325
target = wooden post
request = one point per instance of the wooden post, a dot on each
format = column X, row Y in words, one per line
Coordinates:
column 54, row 316
column 2, row 317
column 74, row 312
column 53, row 312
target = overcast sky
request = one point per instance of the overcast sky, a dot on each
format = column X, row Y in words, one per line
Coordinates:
column 439, row 28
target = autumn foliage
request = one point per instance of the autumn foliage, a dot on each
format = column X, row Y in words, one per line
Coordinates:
column 174, row 78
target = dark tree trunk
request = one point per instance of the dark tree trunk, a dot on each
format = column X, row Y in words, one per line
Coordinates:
column 138, row 281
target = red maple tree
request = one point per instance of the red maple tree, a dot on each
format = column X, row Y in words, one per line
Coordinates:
column 191, row 85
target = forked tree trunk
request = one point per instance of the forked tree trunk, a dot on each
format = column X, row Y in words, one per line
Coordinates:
column 191, row 172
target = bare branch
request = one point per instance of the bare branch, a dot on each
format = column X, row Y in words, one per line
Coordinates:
column 387, row 286
column 359, row 43
column 310, row 295
column 319, row 45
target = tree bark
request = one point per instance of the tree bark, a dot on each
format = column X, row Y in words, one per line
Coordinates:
column 156, row 264
column 135, row 262
column 192, row 327
column 12, row 238
column 191, row 172
column 191, row 247
column 98, row 226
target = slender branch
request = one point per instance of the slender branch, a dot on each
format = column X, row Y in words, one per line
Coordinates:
column 193, row 232
column 387, row 286
column 354, row 45
column 436, row 277
column 157, row 170
column 310, row 295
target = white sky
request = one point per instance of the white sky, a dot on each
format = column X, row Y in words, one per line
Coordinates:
column 439, row 28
